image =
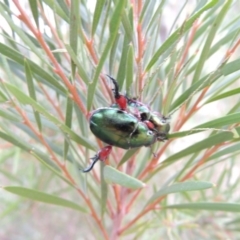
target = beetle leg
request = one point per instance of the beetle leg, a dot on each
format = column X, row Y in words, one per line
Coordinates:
column 101, row 155
column 132, row 133
column 162, row 136
column 121, row 100
column 153, row 153
column 90, row 167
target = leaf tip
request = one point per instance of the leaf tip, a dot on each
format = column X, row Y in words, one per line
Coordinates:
column 235, row 133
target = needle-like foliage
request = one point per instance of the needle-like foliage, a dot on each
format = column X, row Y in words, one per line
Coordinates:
column 179, row 58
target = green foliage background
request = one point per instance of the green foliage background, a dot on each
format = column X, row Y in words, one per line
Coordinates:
column 53, row 59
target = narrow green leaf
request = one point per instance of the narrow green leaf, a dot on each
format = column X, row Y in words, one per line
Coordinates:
column 123, row 63
column 15, row 141
column 206, row 143
column 116, row 17
column 180, row 187
column 138, row 229
column 225, row 95
column 205, row 52
column 113, row 52
column 26, row 147
column 97, row 14
column 19, row 58
column 153, row 14
column 128, row 155
column 235, row 132
column 224, row 40
column 8, row 115
column 92, row 86
column 196, row 86
column 63, row 5
column 128, row 25
column 74, row 25
column 179, row 14
column 222, row 121
column 234, row 149
column 6, row 7
column 231, row 67
column 3, row 98
column 11, row 208
column 129, row 69
column 211, row 125
column 34, row 9
column 104, row 191
column 144, row 10
column 81, row 70
column 210, row 206
column 43, row 197
column 31, row 90
column 68, row 123
column 29, row 41
column 26, row 100
column 174, row 37
column 11, row 177
column 54, row 170
column 114, row 176
column 235, row 221
column 114, row 26
column 104, row 23
column 57, row 9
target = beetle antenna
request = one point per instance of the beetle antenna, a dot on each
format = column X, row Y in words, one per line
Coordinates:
column 116, row 87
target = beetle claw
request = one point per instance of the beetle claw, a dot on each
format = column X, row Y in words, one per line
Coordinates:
column 101, row 155
column 161, row 136
column 90, row 167
column 95, row 158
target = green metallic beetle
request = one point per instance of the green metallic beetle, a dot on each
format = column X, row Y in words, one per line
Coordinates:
column 121, row 129
column 126, row 124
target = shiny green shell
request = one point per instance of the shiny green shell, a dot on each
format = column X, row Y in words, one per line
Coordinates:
column 118, row 128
